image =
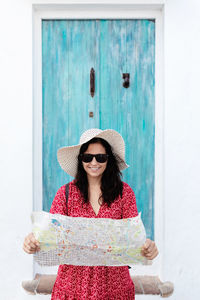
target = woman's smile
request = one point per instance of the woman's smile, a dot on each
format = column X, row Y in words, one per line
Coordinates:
column 94, row 168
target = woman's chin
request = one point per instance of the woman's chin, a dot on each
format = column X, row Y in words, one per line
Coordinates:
column 94, row 174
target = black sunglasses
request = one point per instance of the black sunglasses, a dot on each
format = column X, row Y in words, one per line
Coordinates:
column 87, row 157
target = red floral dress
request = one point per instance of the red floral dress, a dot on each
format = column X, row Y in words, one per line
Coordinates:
column 93, row 282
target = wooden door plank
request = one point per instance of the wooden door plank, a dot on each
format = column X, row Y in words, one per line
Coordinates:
column 140, row 116
column 70, row 49
column 130, row 48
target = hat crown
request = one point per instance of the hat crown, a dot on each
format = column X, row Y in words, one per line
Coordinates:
column 89, row 134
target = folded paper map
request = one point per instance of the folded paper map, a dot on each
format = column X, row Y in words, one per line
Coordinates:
column 88, row 241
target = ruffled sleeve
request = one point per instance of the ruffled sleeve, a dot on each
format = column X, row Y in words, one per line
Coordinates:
column 129, row 202
column 59, row 202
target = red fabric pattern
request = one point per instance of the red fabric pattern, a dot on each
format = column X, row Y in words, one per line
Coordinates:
column 94, row 282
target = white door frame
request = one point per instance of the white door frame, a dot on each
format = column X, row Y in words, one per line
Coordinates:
column 144, row 10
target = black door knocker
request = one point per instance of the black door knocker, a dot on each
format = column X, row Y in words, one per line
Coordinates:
column 126, row 77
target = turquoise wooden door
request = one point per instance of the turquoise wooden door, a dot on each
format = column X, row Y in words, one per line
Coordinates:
column 70, row 48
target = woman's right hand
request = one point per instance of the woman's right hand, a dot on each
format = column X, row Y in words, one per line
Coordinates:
column 31, row 245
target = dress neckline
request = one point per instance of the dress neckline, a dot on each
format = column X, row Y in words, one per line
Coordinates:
column 96, row 215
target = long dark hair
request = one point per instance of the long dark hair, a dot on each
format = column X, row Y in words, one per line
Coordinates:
column 111, row 184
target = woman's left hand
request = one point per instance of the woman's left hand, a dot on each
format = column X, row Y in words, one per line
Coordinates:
column 149, row 249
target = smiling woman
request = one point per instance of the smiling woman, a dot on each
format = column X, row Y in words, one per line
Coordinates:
column 98, row 178
column 96, row 192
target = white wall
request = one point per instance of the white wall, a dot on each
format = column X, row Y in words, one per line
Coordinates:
column 16, row 144
column 182, row 146
column 181, row 151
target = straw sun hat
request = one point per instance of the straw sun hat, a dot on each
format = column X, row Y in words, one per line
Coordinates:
column 68, row 156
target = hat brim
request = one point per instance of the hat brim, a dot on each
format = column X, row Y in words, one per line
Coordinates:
column 68, row 156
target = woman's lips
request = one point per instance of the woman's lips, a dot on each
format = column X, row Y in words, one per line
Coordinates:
column 94, row 168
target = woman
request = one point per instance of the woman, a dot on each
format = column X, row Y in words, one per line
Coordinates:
column 96, row 192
